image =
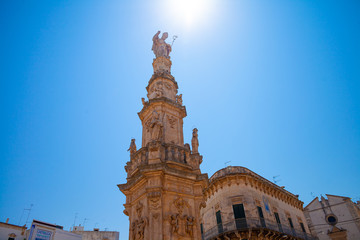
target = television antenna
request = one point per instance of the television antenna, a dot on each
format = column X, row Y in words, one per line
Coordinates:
column 227, row 163
column 85, row 219
column 275, row 179
column 29, row 211
column 76, row 214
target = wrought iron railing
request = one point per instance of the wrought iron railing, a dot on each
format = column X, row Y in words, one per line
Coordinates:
column 247, row 223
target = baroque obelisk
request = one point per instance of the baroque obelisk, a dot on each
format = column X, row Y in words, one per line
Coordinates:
column 164, row 188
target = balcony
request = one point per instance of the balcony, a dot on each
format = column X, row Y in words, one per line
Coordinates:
column 255, row 225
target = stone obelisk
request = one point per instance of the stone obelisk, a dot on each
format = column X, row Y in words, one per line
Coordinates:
column 164, row 188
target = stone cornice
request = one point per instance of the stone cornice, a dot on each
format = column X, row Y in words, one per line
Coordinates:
column 162, row 100
column 145, row 170
column 237, row 175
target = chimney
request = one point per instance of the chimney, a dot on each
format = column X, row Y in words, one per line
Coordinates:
column 7, row 220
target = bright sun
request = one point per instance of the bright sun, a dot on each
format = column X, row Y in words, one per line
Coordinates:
column 189, row 13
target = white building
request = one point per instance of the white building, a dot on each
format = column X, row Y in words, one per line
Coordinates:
column 12, row 232
column 46, row 231
column 334, row 218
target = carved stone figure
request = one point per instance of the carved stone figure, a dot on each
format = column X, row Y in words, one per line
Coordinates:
column 157, row 91
column 156, row 127
column 172, row 121
column 179, row 99
column 189, row 225
column 132, row 147
column 195, row 141
column 174, row 222
column 160, row 47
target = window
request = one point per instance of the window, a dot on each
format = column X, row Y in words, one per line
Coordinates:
column 291, row 223
column 219, row 221
column 302, row 227
column 277, row 218
column 202, row 230
column 239, row 216
column 261, row 216
column 278, row 221
column 331, row 219
column 239, row 211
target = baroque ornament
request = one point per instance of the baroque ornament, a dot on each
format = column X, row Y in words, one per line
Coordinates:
column 180, row 203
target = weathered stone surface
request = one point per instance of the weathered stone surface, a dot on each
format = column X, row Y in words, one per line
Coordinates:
column 164, row 189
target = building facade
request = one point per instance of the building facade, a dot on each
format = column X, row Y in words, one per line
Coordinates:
column 240, row 204
column 96, row 234
column 334, row 218
column 12, row 232
column 47, row 231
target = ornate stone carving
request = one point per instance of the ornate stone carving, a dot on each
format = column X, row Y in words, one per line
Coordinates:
column 156, row 126
column 174, row 222
column 133, row 229
column 141, row 229
column 179, row 99
column 144, row 102
column 160, row 47
column 182, row 226
column 195, row 141
column 180, row 203
column 156, row 90
column 172, row 121
column 189, row 225
column 132, row 147
column 139, row 208
column 155, row 203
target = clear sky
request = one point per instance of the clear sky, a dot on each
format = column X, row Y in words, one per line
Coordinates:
column 273, row 86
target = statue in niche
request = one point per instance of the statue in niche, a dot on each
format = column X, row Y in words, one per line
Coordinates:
column 160, row 47
column 174, row 222
column 132, row 147
column 189, row 226
column 157, row 126
column 179, row 99
column 195, row 141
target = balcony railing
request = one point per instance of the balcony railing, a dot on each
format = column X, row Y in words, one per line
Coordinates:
column 247, row 223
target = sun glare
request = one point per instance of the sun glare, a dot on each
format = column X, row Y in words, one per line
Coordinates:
column 189, row 13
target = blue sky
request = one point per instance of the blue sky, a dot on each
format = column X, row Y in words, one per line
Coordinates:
column 273, row 86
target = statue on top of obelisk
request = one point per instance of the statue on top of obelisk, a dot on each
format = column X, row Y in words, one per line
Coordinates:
column 160, row 47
